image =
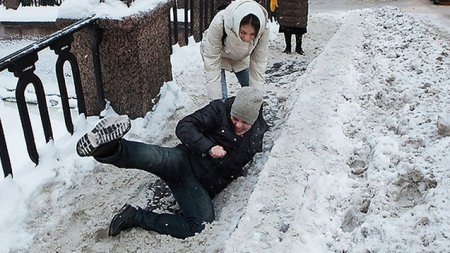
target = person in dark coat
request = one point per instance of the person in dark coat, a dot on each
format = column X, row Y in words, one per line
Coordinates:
column 292, row 15
column 217, row 141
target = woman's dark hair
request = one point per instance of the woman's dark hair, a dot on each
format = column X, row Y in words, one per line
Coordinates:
column 252, row 20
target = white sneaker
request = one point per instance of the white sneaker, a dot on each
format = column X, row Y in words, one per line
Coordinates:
column 107, row 130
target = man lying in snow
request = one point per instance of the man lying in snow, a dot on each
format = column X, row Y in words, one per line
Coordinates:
column 217, row 141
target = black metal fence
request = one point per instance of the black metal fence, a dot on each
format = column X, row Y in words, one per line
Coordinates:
column 22, row 64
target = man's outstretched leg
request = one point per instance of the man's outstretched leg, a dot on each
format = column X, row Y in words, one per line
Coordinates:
column 106, row 145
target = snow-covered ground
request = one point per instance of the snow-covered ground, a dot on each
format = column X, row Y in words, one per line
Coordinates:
column 356, row 159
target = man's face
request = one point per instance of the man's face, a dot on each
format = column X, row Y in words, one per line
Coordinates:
column 240, row 126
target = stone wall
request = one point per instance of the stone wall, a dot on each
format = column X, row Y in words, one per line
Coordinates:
column 135, row 61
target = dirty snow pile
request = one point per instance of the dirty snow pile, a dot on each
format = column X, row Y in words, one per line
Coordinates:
column 361, row 165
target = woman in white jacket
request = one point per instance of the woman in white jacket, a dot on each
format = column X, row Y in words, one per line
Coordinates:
column 236, row 41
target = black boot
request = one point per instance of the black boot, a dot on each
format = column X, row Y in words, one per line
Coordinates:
column 287, row 38
column 124, row 219
column 298, row 44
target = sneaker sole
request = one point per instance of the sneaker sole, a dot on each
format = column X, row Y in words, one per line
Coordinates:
column 108, row 130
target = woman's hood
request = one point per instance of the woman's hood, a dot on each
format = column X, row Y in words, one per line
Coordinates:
column 237, row 10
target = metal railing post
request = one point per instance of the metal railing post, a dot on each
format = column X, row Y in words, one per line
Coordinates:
column 4, row 155
column 97, row 38
column 192, row 17
column 186, row 21
column 62, row 49
column 24, row 70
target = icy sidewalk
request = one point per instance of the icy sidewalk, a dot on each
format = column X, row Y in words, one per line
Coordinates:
column 356, row 163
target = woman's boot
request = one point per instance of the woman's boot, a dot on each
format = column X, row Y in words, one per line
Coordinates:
column 298, row 44
column 287, row 38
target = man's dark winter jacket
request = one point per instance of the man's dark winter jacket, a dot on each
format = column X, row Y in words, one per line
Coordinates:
column 211, row 126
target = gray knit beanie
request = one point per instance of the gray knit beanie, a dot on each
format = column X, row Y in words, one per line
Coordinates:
column 247, row 104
